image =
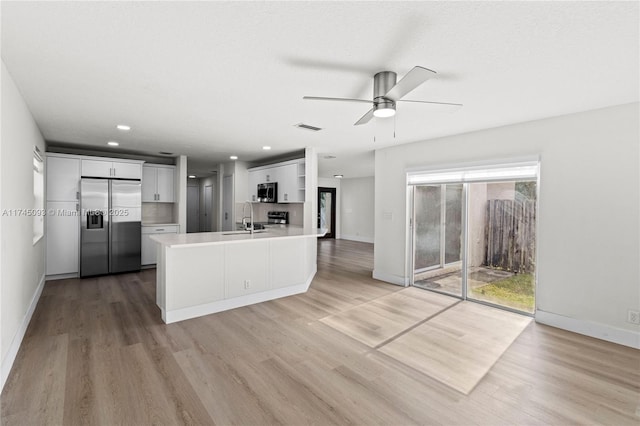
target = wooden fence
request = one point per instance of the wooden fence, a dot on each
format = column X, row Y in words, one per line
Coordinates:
column 510, row 235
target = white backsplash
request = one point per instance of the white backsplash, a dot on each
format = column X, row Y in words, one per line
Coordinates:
column 157, row 213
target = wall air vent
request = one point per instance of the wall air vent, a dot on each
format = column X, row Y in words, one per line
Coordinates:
column 307, row 127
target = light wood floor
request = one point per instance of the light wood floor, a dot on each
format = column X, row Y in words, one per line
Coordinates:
column 460, row 345
column 96, row 352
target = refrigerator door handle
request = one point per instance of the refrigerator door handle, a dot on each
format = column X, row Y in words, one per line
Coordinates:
column 109, row 231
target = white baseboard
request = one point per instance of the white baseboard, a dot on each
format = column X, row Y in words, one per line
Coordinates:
column 10, row 358
column 390, row 278
column 592, row 329
column 358, row 238
column 61, row 276
column 224, row 305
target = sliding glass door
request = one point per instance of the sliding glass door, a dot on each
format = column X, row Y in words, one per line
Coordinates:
column 474, row 237
column 438, row 237
column 502, row 244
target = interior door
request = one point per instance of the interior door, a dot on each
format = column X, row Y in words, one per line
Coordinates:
column 208, row 209
column 327, row 211
column 193, row 209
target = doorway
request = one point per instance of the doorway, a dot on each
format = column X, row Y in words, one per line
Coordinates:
column 227, row 203
column 207, row 226
column 327, row 211
column 474, row 237
column 193, row 206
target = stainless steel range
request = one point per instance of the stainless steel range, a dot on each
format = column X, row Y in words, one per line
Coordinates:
column 278, row 218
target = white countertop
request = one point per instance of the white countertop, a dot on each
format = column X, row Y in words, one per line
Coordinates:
column 159, row 224
column 207, row 238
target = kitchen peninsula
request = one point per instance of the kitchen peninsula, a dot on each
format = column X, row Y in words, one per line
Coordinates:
column 204, row 273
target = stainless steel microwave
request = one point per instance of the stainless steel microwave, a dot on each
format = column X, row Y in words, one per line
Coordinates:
column 268, row 192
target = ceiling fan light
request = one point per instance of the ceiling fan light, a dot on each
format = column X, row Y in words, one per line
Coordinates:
column 384, row 108
column 384, row 112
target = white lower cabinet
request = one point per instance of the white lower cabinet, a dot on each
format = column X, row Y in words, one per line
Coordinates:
column 148, row 247
column 287, row 262
column 63, row 240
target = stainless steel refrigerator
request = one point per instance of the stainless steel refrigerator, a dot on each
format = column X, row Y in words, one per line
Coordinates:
column 110, row 227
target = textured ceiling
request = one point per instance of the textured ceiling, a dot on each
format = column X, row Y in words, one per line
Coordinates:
column 213, row 79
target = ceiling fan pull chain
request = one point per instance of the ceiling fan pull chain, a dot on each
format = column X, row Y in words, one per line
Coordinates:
column 394, row 125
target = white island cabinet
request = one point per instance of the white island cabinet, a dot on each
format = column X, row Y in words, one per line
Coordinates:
column 204, row 273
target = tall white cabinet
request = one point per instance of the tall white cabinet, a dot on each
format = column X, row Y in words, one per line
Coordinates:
column 63, row 220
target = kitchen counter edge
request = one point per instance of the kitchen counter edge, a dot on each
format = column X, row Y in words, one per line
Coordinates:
column 210, row 238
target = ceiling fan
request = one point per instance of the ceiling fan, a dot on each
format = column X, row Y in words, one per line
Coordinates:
column 386, row 92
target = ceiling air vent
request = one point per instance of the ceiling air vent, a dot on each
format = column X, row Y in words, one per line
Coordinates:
column 307, row 127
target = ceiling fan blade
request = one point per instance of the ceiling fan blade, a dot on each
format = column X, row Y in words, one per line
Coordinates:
column 365, row 118
column 320, row 98
column 410, row 81
column 437, row 106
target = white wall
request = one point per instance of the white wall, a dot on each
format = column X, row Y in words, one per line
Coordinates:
column 589, row 214
column 22, row 264
column 311, row 188
column 334, row 183
column 180, row 206
column 358, row 209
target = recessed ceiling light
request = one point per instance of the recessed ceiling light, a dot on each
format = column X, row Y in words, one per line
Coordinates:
column 234, row 157
column 266, row 148
column 192, row 176
column 329, row 157
column 123, row 127
column 338, row 176
column 113, row 143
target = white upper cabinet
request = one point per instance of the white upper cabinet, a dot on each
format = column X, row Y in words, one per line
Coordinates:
column 290, row 178
column 112, row 169
column 254, row 180
column 97, row 168
column 63, row 177
column 127, row 170
column 149, row 183
column 288, row 184
column 158, row 183
column 166, row 184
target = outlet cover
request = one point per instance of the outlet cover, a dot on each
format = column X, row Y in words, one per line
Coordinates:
column 633, row 316
column 247, row 284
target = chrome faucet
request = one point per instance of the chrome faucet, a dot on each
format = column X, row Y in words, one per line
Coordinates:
column 244, row 218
